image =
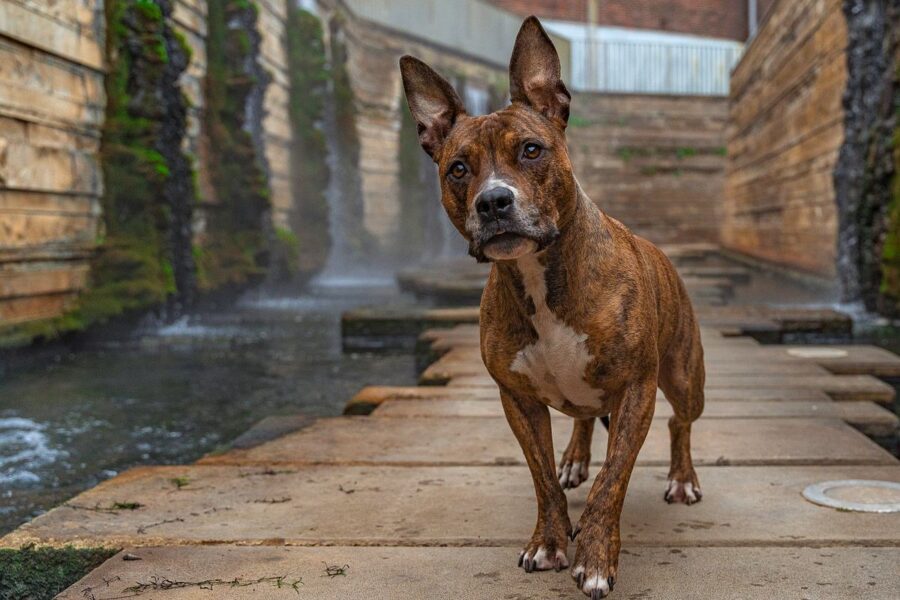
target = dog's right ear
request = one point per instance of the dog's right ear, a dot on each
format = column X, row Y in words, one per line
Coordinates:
column 433, row 102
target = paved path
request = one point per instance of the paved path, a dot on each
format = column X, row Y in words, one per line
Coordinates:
column 428, row 496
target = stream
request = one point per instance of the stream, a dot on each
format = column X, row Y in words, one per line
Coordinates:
column 172, row 393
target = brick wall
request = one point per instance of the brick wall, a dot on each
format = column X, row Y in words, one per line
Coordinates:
column 785, row 130
column 656, row 163
column 710, row 18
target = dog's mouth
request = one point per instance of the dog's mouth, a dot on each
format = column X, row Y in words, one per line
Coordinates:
column 507, row 245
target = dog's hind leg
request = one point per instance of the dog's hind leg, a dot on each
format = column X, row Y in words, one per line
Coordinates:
column 682, row 378
column 573, row 468
column 530, row 422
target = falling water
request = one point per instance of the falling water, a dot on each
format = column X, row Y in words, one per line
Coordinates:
column 350, row 263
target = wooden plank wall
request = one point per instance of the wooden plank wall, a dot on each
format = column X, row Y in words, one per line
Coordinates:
column 785, row 130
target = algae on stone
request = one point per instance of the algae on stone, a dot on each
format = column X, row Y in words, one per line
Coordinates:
column 308, row 77
column 234, row 251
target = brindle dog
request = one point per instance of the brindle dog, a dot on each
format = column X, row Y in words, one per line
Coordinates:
column 578, row 314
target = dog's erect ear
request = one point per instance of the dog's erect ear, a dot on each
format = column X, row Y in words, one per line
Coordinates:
column 534, row 74
column 433, row 102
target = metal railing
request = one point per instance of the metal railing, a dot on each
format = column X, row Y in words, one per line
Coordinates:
column 653, row 67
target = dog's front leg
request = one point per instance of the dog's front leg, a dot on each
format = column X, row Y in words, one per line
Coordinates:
column 597, row 531
column 530, row 422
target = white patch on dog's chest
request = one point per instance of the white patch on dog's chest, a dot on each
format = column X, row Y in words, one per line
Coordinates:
column 556, row 363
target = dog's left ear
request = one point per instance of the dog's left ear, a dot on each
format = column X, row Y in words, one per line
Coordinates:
column 534, row 74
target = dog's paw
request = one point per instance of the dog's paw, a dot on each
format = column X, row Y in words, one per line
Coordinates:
column 685, row 492
column 542, row 558
column 596, row 559
column 572, row 473
column 596, row 586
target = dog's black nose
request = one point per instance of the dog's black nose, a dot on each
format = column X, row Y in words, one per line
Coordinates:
column 494, row 203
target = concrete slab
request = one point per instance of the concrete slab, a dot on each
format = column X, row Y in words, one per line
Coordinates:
column 454, row 365
column 831, row 573
column 838, row 387
column 865, row 416
column 375, row 395
column 454, row 506
column 462, row 354
column 489, row 441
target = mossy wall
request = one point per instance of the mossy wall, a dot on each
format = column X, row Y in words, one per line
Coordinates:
column 884, row 175
column 235, row 250
column 353, row 244
column 867, row 171
column 143, row 258
column 309, row 77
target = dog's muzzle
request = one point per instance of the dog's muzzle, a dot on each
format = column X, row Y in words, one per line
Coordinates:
column 502, row 229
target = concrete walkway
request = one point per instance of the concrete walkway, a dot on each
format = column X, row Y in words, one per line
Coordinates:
column 429, row 496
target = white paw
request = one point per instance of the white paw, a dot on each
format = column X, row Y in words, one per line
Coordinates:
column 541, row 560
column 595, row 587
column 679, row 491
column 573, row 474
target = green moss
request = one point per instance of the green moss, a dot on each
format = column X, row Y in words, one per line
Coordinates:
column 578, row 122
column 234, row 251
column 286, row 254
column 890, row 251
column 41, row 573
column 131, row 269
column 309, row 76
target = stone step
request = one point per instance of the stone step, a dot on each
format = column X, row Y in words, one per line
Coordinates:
column 360, row 326
column 721, row 353
column 489, row 441
column 452, row 506
column 838, row 387
column 828, row 573
column 450, row 366
column 868, row 417
column 370, row 397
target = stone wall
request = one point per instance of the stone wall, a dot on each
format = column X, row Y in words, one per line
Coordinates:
column 52, row 67
column 373, row 55
column 189, row 18
column 276, row 122
column 51, row 111
column 785, row 130
column 656, row 163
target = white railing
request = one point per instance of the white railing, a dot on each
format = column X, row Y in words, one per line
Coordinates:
column 653, row 67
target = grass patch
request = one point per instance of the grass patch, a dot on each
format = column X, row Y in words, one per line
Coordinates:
column 180, row 482
column 31, row 573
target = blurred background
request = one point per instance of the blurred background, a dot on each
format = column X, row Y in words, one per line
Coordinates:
column 193, row 192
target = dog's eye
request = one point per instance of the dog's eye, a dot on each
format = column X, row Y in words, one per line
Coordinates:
column 531, row 151
column 458, row 170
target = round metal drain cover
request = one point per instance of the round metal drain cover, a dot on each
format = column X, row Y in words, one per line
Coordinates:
column 817, row 352
column 857, row 495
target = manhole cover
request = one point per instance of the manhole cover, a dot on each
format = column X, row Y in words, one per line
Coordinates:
column 857, row 495
column 817, row 352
